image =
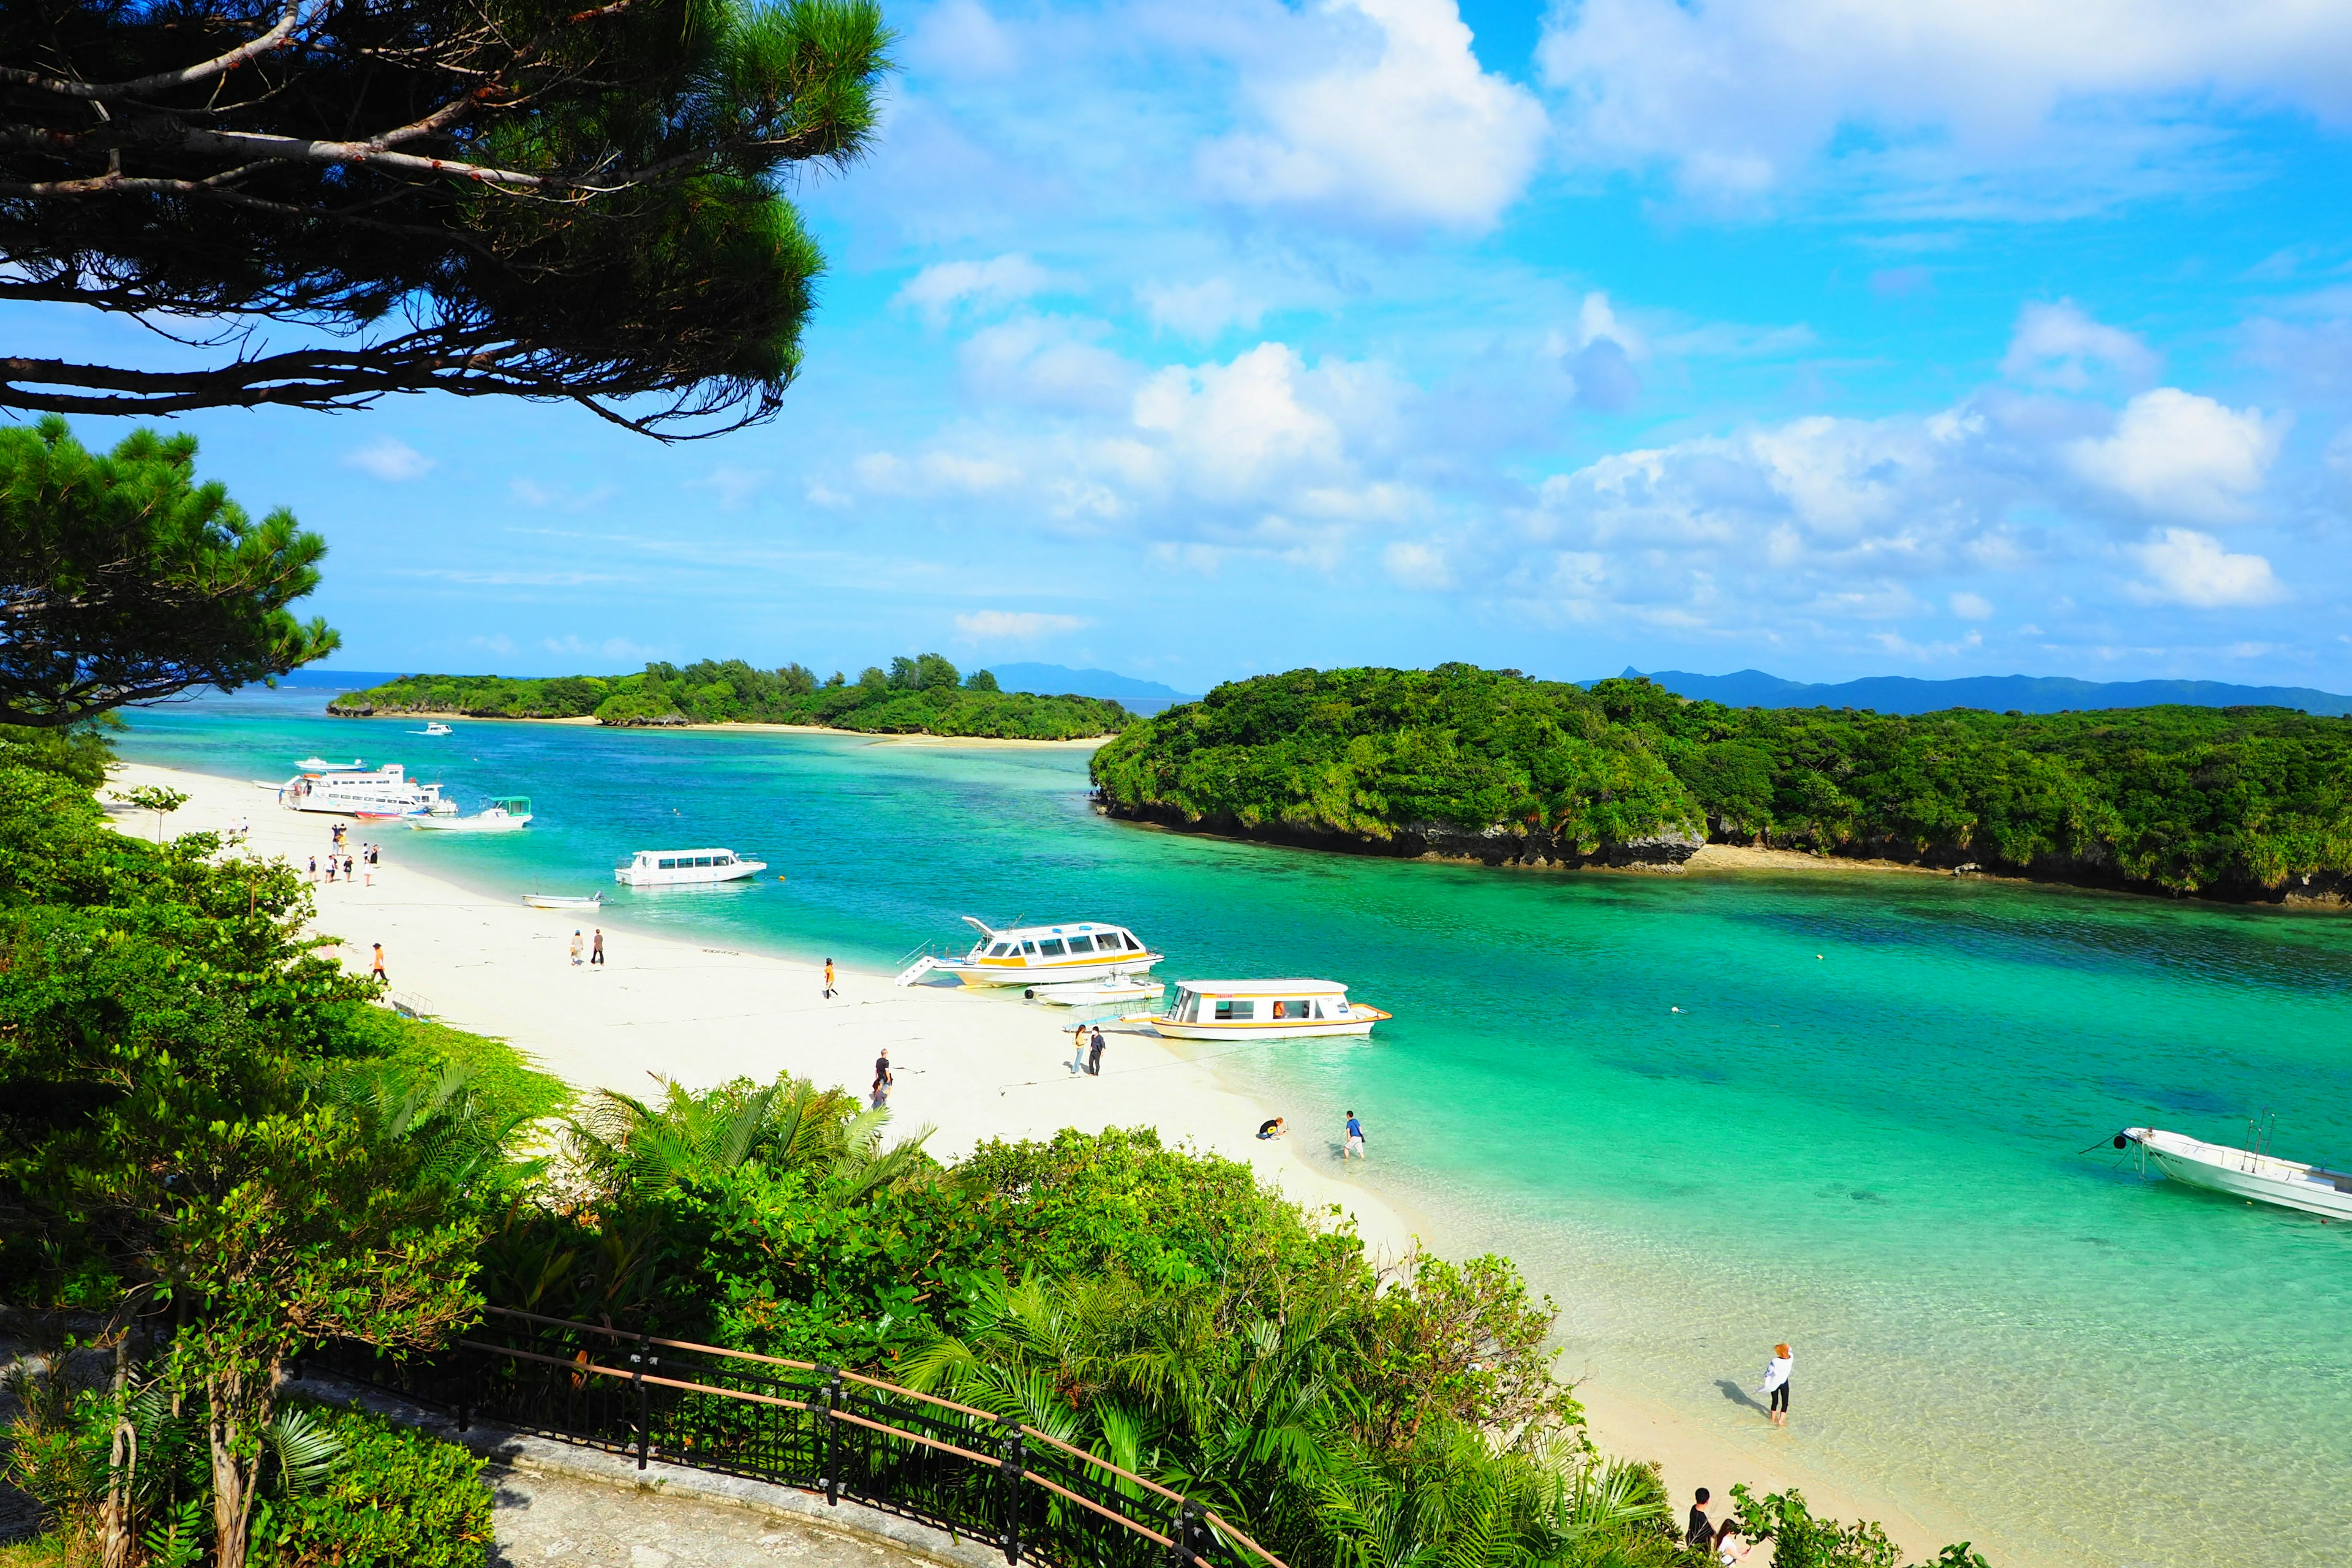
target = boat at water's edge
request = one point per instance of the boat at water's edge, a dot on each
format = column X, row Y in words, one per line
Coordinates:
column 2245, row 1173
column 1260, row 1009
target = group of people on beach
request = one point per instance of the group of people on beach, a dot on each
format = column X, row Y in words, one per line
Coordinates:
column 1702, row 1535
column 1274, row 1127
column 353, row 866
column 595, row 952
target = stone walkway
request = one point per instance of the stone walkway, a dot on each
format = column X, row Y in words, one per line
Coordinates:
column 547, row 1521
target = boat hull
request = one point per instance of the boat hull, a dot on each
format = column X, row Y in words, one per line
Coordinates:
column 563, row 902
column 1078, row 994
column 470, row 823
column 699, row 877
column 1360, row 1022
column 2241, row 1174
column 973, row 974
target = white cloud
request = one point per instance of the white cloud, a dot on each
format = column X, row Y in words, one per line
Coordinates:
column 1972, row 606
column 532, row 493
column 733, row 486
column 2180, row 455
column 1014, row 625
column 2056, row 345
column 1201, row 310
column 939, row 287
column 1738, row 95
column 1390, row 119
column 390, row 460
column 2186, row 567
column 1046, row 362
column 934, row 472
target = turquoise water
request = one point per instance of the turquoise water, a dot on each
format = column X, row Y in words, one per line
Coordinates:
column 1860, row 1133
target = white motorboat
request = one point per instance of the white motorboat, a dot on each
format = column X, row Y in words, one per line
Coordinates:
column 321, row 765
column 1027, row 955
column 434, row 727
column 1110, row 988
column 504, row 815
column 563, row 902
column 2245, row 1173
column 360, row 791
column 1260, row 1009
column 685, row 868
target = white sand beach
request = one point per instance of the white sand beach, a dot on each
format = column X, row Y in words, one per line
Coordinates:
column 975, row 1067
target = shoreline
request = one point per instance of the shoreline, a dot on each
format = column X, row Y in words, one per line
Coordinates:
column 973, row 1066
column 918, row 738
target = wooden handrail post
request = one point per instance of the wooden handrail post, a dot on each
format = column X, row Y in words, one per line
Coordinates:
column 1013, row 1462
column 828, row 1441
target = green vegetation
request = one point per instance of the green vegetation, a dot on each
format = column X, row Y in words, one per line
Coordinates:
column 920, row 695
column 123, row 580
column 214, row 1152
column 2234, row 802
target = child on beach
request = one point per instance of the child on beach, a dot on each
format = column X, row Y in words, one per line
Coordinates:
column 378, row 971
column 1776, row 1383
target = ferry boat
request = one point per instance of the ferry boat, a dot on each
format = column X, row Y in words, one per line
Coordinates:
column 2245, row 1173
column 504, row 815
column 357, row 790
column 1260, row 1009
column 685, row 868
column 1026, row 955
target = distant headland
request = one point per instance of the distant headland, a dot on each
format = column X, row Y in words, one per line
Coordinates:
column 924, row 695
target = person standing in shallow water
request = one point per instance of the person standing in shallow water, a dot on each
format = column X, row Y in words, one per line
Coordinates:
column 1355, row 1145
column 1776, row 1383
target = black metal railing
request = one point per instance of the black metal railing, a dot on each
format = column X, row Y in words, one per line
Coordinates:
column 805, row 1424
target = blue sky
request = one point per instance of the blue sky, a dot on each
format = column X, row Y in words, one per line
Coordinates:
column 1198, row 338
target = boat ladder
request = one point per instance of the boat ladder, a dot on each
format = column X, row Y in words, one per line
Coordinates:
column 917, row 969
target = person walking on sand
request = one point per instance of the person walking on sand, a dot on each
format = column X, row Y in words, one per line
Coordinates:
column 828, row 979
column 1776, row 1383
column 576, row 950
column 1094, row 1053
column 1078, row 1048
column 1355, row 1145
column 367, row 865
column 882, row 1079
column 596, row 949
column 1700, row 1534
column 314, row 867
column 378, row 971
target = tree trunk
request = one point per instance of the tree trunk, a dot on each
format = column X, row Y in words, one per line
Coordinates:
column 239, row 1410
column 115, row 1534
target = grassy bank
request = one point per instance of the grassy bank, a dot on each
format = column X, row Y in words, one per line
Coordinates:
column 2235, row 802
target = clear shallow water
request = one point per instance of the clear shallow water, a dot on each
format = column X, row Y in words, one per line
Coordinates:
column 1870, row 1153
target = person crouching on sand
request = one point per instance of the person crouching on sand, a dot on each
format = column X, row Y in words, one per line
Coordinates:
column 1776, row 1383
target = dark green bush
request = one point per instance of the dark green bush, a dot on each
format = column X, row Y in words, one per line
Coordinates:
column 394, row 1498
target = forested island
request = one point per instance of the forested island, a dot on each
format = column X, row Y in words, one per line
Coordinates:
column 925, row 695
column 2240, row 803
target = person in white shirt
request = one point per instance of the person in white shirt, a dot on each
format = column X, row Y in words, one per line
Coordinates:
column 1776, row 1383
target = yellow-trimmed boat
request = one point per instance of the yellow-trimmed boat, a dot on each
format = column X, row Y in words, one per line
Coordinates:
column 1260, row 1009
column 1032, row 955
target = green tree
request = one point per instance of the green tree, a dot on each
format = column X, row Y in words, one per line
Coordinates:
column 475, row 196
column 123, row 580
column 155, row 798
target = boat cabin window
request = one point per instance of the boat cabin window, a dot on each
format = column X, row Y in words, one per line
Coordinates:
column 1188, row 1006
column 1293, row 1009
column 1231, row 1011
column 1082, row 945
column 722, row 860
column 1028, row 947
column 667, row 864
column 1000, row 950
column 1051, row 947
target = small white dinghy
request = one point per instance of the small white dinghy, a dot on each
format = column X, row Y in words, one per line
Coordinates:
column 1085, row 993
column 563, row 902
column 508, row 814
column 2245, row 1173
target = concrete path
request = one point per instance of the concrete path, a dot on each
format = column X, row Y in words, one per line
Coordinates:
column 546, row 1520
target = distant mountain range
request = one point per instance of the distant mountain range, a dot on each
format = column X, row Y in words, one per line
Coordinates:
column 1999, row 693
column 1060, row 680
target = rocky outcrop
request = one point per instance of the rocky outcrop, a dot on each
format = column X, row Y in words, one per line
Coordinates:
column 672, row 720
column 1496, row 846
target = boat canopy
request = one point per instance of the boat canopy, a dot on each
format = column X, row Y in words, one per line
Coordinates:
column 512, row 805
column 1263, row 987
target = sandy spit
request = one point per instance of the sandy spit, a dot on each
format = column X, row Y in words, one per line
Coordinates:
column 971, row 1067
